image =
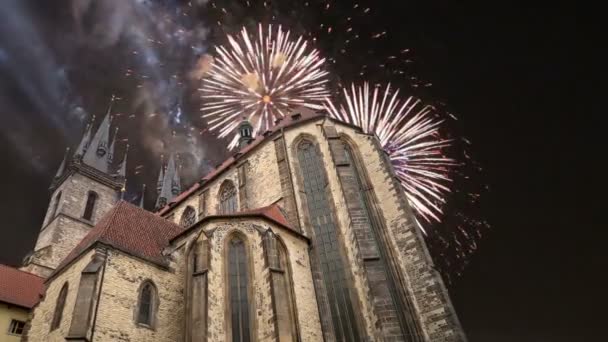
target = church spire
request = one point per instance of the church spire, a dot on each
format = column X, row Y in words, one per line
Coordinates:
column 122, row 169
column 61, row 169
column 176, row 186
column 111, row 151
column 84, row 142
column 171, row 186
column 97, row 154
column 161, row 176
column 143, row 194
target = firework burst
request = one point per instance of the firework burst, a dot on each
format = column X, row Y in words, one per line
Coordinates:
column 261, row 78
column 409, row 133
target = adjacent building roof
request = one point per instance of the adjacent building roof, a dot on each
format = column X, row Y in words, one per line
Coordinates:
column 271, row 213
column 301, row 116
column 20, row 288
column 130, row 229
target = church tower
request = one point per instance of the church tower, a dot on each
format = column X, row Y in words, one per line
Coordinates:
column 85, row 187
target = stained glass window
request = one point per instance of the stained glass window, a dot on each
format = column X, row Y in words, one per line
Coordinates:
column 238, row 279
column 332, row 267
column 228, row 201
column 188, row 217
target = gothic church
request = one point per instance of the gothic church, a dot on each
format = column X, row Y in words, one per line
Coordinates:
column 303, row 234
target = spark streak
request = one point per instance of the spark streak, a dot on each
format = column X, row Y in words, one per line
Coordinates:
column 409, row 133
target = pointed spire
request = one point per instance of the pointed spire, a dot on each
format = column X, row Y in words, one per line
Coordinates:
column 111, row 151
column 97, row 154
column 176, row 187
column 143, row 194
column 84, row 142
column 122, row 170
column 161, row 176
column 171, row 186
column 63, row 164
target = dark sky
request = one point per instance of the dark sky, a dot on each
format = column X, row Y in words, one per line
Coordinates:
column 509, row 72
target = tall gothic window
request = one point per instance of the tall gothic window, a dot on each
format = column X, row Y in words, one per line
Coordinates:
column 228, row 202
column 59, row 306
column 332, row 267
column 280, row 276
column 90, row 206
column 147, row 303
column 56, row 204
column 238, row 287
column 188, row 217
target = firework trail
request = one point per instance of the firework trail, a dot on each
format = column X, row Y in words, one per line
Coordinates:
column 262, row 78
column 360, row 46
column 409, row 133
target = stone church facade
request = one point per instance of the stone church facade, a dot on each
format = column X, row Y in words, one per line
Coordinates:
column 304, row 234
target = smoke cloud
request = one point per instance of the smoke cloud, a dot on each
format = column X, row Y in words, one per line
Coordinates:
column 165, row 44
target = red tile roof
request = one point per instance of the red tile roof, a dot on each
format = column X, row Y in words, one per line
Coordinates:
column 271, row 212
column 303, row 115
column 20, row 288
column 130, row 229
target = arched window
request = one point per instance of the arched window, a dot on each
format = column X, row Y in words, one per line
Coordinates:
column 56, row 204
column 228, row 202
column 59, row 306
column 238, row 290
column 90, row 206
column 147, row 304
column 280, row 277
column 188, row 217
column 333, row 269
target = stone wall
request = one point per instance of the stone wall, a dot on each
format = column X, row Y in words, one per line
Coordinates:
column 62, row 232
column 42, row 315
column 437, row 317
column 74, row 192
column 262, row 187
column 123, row 278
column 217, row 233
column 313, row 131
column 433, row 318
column 57, row 240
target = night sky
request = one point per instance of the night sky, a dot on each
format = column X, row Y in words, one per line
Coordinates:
column 508, row 71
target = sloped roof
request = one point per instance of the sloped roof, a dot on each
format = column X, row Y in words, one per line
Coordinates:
column 20, row 288
column 272, row 213
column 130, row 229
column 303, row 115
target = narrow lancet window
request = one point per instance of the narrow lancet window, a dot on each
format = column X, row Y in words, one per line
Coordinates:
column 59, row 306
column 90, row 206
column 147, row 302
column 238, row 290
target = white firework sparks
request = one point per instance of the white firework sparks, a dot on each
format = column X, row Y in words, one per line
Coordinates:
column 261, row 78
column 409, row 133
